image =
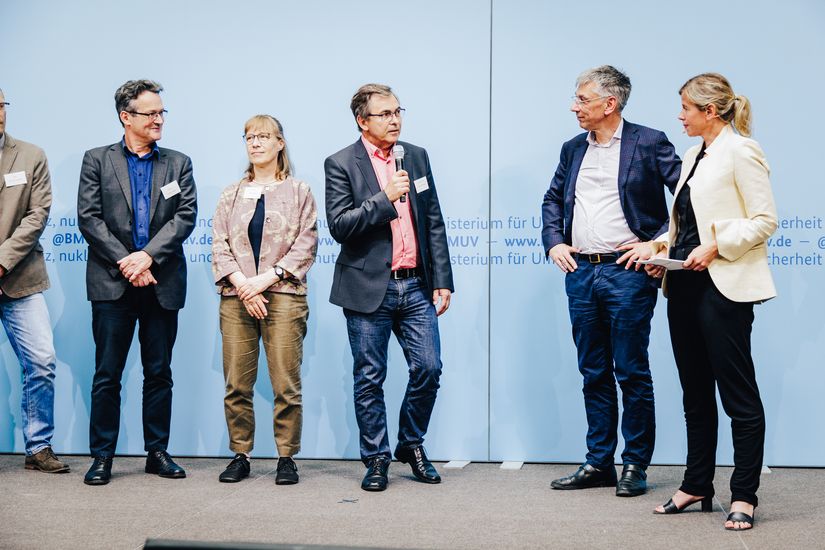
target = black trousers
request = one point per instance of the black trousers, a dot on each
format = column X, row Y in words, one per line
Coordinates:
column 711, row 337
column 113, row 327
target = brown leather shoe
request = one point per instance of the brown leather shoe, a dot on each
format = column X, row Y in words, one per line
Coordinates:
column 46, row 461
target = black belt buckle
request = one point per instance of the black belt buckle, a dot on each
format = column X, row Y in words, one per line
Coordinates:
column 594, row 258
column 406, row 273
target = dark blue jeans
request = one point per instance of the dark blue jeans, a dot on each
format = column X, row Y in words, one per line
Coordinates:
column 113, row 327
column 408, row 312
column 610, row 310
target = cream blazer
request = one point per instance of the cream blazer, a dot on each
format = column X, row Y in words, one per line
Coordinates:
column 732, row 199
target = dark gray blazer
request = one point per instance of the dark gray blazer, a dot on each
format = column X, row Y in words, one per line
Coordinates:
column 359, row 215
column 104, row 216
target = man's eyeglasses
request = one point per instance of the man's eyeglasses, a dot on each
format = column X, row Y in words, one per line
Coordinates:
column 386, row 116
column 578, row 100
column 152, row 116
column 3, row 105
column 263, row 137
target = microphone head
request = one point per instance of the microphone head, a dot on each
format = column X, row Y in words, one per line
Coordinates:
column 398, row 151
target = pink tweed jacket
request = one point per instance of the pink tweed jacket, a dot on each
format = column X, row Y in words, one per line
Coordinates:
column 290, row 235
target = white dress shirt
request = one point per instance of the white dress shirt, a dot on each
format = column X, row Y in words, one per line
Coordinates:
column 599, row 224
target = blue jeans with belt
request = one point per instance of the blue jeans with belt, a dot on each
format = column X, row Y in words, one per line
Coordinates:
column 29, row 329
column 610, row 310
column 408, row 312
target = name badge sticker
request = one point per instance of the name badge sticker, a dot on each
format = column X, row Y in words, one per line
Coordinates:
column 15, row 178
column 252, row 192
column 421, row 184
column 170, row 190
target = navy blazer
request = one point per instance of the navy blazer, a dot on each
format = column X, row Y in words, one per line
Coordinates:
column 359, row 215
column 648, row 164
column 104, row 217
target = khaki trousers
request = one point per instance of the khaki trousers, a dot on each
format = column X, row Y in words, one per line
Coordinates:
column 282, row 331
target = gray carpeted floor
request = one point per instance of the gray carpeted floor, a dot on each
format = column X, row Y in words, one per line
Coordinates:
column 480, row 506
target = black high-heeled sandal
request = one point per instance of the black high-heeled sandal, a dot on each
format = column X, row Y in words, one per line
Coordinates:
column 671, row 508
column 739, row 517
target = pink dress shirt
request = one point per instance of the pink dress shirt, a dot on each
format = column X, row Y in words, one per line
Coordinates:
column 404, row 247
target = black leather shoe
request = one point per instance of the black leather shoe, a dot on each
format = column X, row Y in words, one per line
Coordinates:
column 236, row 470
column 587, row 477
column 421, row 467
column 100, row 472
column 633, row 481
column 376, row 477
column 160, row 463
column 287, row 472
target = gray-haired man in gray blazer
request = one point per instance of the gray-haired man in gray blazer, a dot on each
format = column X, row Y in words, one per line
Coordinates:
column 136, row 205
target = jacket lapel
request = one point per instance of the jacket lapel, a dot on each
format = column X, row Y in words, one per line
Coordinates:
column 413, row 194
column 365, row 165
column 628, row 147
column 575, row 164
column 158, row 181
column 121, row 168
column 9, row 154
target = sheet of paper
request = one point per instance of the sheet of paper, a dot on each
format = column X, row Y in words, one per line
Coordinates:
column 667, row 263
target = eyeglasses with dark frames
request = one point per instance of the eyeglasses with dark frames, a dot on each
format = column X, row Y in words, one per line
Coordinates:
column 387, row 116
column 152, row 116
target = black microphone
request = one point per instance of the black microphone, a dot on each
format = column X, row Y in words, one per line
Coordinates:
column 398, row 153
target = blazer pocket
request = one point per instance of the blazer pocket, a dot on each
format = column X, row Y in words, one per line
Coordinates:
column 349, row 261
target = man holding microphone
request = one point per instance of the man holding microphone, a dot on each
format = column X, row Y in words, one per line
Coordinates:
column 393, row 275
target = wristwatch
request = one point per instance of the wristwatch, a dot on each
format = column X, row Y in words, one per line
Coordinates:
column 279, row 271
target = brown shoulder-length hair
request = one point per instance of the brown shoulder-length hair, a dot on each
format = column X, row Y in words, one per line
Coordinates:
column 271, row 124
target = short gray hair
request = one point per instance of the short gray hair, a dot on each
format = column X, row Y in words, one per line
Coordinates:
column 129, row 92
column 361, row 99
column 609, row 81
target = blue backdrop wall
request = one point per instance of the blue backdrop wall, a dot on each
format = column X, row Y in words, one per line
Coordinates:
column 486, row 86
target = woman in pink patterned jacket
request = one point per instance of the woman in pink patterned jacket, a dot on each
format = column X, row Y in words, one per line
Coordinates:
column 264, row 239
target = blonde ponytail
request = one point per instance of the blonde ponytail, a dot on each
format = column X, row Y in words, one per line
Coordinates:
column 742, row 115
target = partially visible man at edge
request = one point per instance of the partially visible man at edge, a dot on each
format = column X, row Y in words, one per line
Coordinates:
column 25, row 201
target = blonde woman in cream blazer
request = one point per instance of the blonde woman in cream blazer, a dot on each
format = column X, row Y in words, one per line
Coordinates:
column 264, row 241
column 722, row 216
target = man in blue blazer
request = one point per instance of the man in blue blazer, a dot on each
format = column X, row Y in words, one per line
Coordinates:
column 605, row 203
column 393, row 275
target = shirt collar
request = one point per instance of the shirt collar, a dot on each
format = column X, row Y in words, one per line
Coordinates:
column 126, row 150
column 375, row 152
column 2, row 141
column 617, row 136
column 720, row 137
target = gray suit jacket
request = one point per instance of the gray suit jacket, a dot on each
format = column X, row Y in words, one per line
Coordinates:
column 25, row 209
column 359, row 215
column 104, row 216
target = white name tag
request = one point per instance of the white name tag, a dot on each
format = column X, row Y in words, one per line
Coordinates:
column 252, row 192
column 170, row 189
column 15, row 178
column 421, row 184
